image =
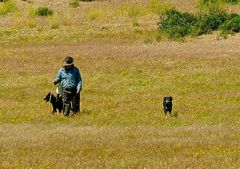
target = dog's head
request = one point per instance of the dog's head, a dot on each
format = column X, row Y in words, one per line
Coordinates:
column 47, row 98
column 168, row 99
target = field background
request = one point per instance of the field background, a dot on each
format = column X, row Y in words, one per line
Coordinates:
column 127, row 68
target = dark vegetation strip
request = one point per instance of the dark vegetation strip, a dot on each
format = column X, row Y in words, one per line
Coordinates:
column 176, row 24
column 206, row 2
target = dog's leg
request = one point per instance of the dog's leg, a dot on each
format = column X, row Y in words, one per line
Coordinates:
column 165, row 111
column 59, row 110
column 54, row 111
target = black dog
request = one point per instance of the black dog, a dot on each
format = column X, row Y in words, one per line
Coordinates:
column 167, row 104
column 56, row 102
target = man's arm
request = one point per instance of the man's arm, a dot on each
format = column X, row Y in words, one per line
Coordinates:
column 79, row 80
column 58, row 77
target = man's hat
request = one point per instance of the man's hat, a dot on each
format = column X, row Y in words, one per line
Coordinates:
column 68, row 61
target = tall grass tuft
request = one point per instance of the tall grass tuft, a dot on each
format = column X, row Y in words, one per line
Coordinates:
column 135, row 23
column 131, row 10
column 158, row 6
column 93, row 15
column 32, row 23
column 134, row 11
column 74, row 3
column 43, row 11
column 7, row 7
column 54, row 22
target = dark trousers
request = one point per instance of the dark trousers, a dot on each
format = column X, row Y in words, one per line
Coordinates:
column 71, row 101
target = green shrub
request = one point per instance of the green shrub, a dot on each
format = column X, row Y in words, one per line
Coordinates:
column 232, row 25
column 74, row 3
column 176, row 24
column 44, row 11
column 209, row 22
column 232, row 1
column 206, row 2
column 135, row 23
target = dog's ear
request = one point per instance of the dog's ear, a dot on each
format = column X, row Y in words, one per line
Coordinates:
column 171, row 98
column 47, row 97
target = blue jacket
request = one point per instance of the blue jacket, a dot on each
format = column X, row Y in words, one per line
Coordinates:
column 69, row 79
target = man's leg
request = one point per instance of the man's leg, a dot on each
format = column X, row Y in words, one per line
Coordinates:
column 76, row 103
column 66, row 102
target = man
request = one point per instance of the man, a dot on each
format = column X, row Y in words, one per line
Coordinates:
column 71, row 81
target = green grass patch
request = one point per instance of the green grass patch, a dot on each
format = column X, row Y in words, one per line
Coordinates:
column 131, row 10
column 158, row 6
column 7, row 7
column 43, row 11
column 74, row 3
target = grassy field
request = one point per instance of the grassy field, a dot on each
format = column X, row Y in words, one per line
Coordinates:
column 126, row 73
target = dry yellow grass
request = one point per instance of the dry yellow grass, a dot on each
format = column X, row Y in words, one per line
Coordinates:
column 121, row 124
column 38, row 146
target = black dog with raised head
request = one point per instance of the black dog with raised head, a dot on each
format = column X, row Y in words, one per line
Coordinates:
column 55, row 101
column 167, row 104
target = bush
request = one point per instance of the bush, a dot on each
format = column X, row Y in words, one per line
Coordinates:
column 44, row 11
column 86, row 0
column 209, row 22
column 232, row 25
column 233, row 2
column 206, row 2
column 176, row 24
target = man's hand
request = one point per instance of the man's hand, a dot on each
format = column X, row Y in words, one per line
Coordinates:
column 78, row 91
column 55, row 82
